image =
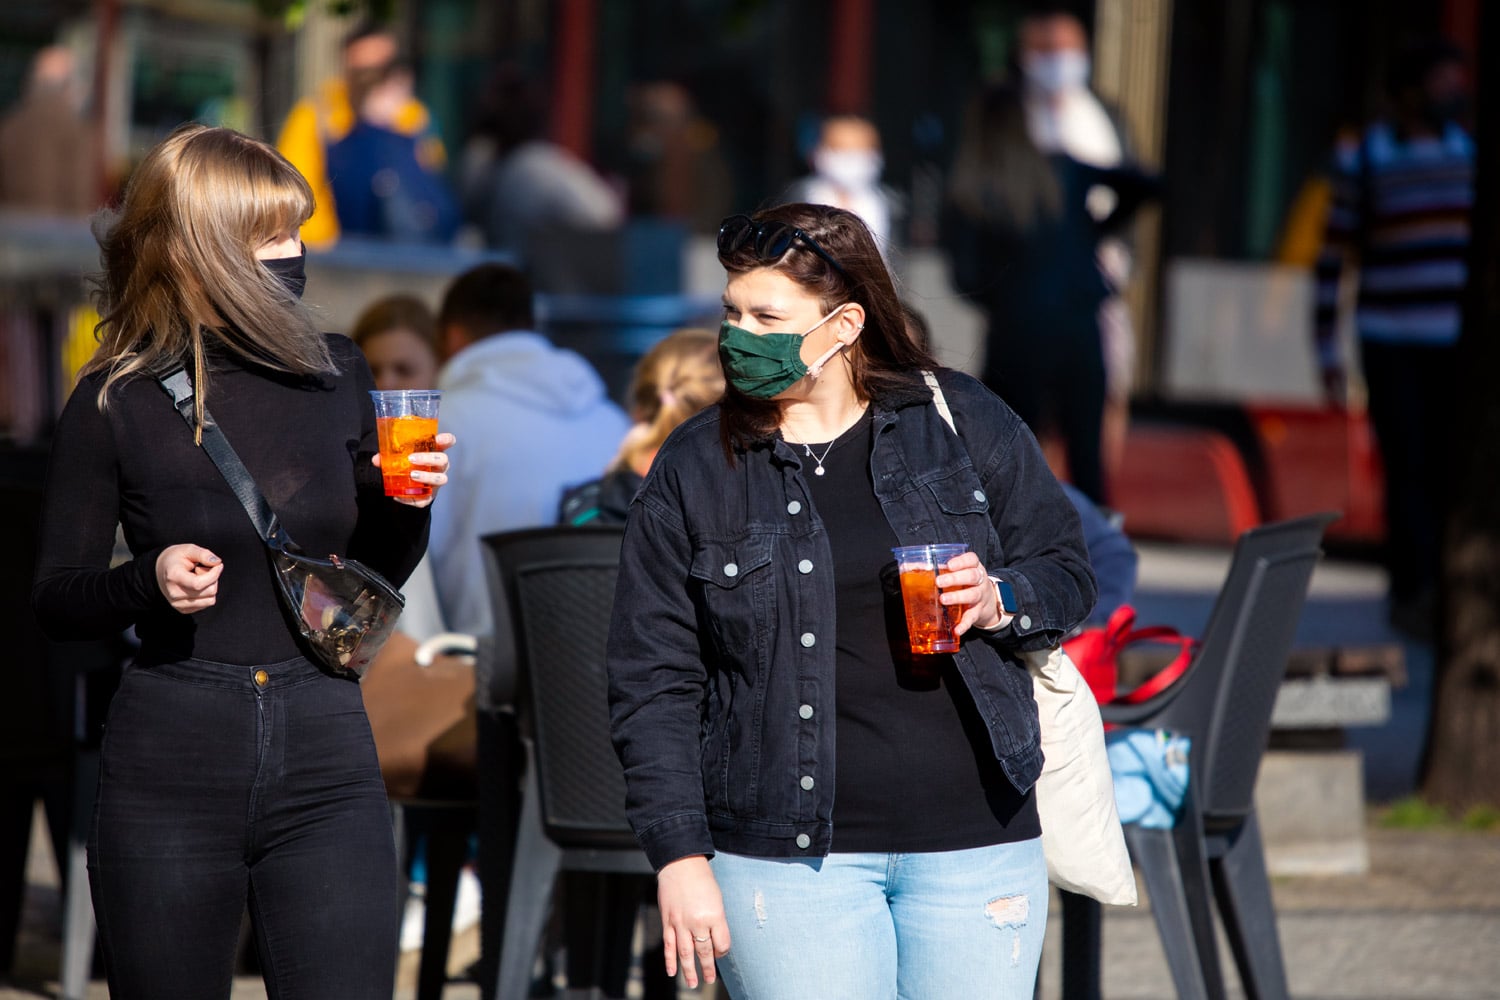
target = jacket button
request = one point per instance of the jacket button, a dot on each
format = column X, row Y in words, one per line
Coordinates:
column 804, row 841
column 806, row 782
column 795, row 507
column 808, row 639
column 1025, row 621
column 730, row 569
column 806, row 711
column 979, row 495
column 805, row 566
column 261, row 677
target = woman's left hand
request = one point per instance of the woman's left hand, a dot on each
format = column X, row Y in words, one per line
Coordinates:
column 430, row 467
column 971, row 585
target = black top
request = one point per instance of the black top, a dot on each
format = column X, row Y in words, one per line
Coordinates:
column 307, row 442
column 1046, row 274
column 915, row 768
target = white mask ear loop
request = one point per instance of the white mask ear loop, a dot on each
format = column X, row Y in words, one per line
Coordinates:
column 816, row 368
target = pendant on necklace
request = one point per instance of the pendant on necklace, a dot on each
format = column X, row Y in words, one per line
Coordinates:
column 814, row 456
column 818, row 471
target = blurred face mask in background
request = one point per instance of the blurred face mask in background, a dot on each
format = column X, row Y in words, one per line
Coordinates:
column 1055, row 72
column 849, row 168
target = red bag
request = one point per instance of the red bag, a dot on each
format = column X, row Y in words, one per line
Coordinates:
column 1096, row 652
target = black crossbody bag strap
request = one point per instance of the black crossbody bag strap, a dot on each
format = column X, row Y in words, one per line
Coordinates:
column 179, row 386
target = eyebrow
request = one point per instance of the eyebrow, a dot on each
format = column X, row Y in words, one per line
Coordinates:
column 765, row 308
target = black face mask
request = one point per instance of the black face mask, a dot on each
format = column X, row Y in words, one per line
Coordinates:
column 290, row 271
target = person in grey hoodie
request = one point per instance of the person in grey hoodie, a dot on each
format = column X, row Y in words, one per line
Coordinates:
column 540, row 419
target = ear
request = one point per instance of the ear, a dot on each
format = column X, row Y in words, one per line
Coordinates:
column 850, row 324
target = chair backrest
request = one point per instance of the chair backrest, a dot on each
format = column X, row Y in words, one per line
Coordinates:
column 1230, row 691
column 558, row 585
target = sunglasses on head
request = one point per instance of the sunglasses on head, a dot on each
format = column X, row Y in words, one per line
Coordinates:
column 769, row 239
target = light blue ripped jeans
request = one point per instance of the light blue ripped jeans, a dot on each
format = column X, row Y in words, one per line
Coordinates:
column 938, row 926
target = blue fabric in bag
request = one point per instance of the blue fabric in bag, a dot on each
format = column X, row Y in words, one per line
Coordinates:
column 1150, row 769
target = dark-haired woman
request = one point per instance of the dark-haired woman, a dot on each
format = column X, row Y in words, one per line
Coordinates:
column 1023, row 244
column 235, row 771
column 829, row 816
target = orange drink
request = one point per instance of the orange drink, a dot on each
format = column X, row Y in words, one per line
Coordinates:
column 929, row 622
column 406, row 420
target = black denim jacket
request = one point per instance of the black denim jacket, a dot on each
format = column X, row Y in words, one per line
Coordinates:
column 721, row 651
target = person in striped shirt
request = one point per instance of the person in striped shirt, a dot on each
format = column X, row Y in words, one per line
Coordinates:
column 1402, row 196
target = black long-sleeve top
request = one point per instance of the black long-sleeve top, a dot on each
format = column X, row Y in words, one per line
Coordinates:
column 306, row 441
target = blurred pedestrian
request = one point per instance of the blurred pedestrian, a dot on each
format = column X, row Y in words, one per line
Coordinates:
column 1065, row 115
column 398, row 335
column 1021, row 240
column 1403, row 197
column 519, row 185
column 828, row 817
column 847, row 163
column 540, row 420
column 316, row 122
column 48, row 160
column 236, row 770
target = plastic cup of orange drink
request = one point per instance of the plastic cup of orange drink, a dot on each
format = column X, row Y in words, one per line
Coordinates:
column 407, row 422
column 929, row 622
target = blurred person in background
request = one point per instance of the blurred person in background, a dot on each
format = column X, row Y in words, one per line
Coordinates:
column 398, row 335
column 1403, row 195
column 540, row 420
column 1022, row 242
column 517, row 183
column 847, row 163
column 674, row 164
column 316, row 122
column 47, row 148
column 381, row 187
column 1063, row 114
column 674, row 380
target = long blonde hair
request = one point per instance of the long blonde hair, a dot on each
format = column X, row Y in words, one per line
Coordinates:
column 674, row 380
column 179, row 265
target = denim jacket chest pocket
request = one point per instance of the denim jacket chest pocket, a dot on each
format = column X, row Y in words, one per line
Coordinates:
column 962, row 502
column 736, row 584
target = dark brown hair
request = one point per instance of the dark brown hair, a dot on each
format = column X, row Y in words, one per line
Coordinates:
column 488, row 299
column 883, row 356
column 396, row 312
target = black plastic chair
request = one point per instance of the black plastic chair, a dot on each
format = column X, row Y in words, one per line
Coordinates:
column 558, row 586
column 1223, row 703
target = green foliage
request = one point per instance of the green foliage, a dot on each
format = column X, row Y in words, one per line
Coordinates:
column 1485, row 819
column 1414, row 814
column 292, row 12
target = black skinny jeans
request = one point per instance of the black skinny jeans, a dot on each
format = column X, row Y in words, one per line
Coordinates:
column 222, row 785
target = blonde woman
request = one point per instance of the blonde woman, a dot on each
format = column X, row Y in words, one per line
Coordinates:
column 674, row 380
column 235, row 771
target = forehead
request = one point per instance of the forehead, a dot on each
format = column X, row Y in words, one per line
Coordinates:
column 850, row 133
column 370, row 52
column 767, row 287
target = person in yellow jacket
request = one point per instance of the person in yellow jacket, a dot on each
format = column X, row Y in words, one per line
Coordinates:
column 315, row 122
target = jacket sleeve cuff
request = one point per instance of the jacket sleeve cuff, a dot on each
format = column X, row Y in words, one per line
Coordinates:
column 1032, row 626
column 676, row 837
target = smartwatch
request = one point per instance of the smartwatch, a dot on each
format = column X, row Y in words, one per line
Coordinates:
column 1005, row 594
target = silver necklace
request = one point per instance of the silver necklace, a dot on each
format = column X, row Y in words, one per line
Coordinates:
column 817, row 458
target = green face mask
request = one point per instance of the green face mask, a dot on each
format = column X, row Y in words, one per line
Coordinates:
column 764, row 364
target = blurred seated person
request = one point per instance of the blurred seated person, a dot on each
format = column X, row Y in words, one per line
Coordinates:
column 398, row 335
column 316, row 122
column 678, row 377
column 381, row 187
column 517, row 183
column 47, row 161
